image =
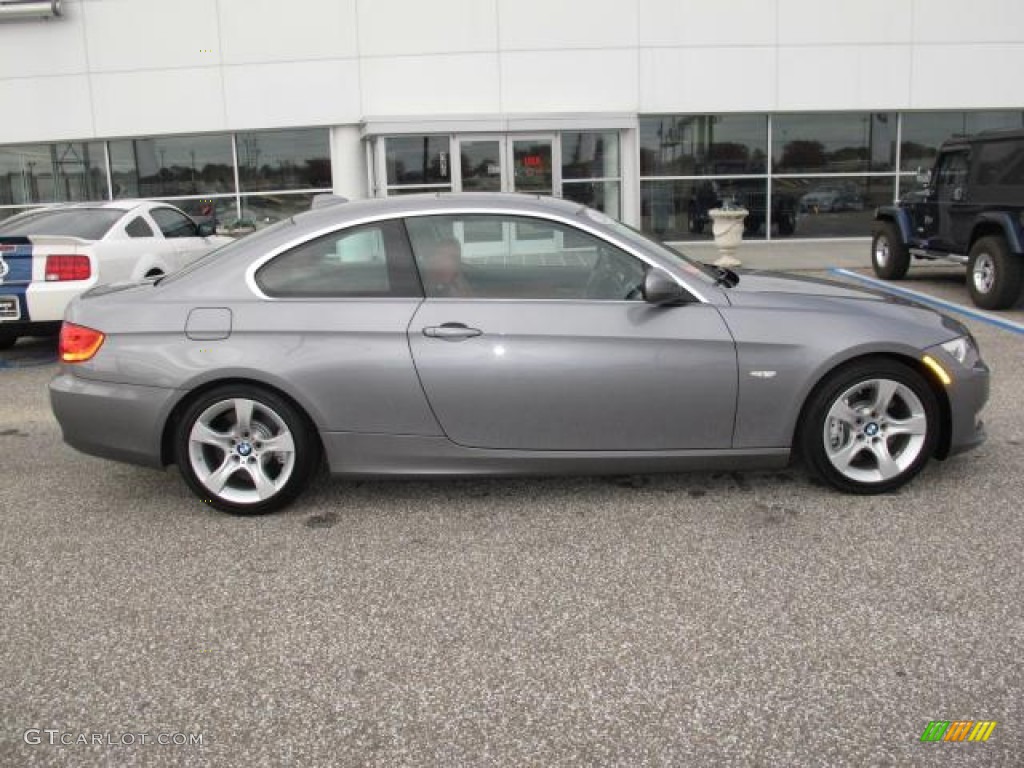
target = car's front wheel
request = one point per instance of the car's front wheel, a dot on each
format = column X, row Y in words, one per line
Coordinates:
column 245, row 450
column 870, row 427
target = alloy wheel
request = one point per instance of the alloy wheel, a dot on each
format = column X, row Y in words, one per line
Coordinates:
column 984, row 273
column 875, row 430
column 882, row 251
column 241, row 451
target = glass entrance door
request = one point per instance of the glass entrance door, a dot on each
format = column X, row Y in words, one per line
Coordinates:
column 489, row 163
column 532, row 163
column 481, row 165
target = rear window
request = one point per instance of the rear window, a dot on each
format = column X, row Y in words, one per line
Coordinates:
column 86, row 223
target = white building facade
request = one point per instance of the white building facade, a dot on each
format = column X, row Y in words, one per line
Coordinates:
column 808, row 113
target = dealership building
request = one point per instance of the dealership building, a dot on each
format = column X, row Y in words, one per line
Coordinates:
column 809, row 114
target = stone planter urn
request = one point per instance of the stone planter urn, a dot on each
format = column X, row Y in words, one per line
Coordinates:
column 727, row 227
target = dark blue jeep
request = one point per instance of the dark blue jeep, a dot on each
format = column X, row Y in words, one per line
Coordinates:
column 970, row 210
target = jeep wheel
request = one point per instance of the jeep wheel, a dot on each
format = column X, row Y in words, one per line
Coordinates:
column 889, row 255
column 994, row 275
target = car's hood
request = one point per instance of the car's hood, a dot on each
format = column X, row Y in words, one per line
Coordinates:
column 778, row 290
column 761, row 281
column 819, row 301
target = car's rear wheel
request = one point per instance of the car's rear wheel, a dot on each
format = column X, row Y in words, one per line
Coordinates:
column 245, row 450
column 890, row 257
column 7, row 339
column 994, row 275
column 871, row 427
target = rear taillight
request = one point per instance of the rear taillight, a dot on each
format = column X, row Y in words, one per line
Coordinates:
column 60, row 268
column 78, row 343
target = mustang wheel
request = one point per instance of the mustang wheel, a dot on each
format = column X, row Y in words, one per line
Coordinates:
column 871, row 427
column 245, row 450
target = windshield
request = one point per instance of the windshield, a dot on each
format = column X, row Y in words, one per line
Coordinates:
column 638, row 239
column 86, row 223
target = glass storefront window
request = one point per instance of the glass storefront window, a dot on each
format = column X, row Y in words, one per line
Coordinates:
column 590, row 155
column 259, row 211
column 218, row 211
column 418, row 160
column 52, row 173
column 832, row 206
column 849, row 142
column 172, row 166
column 923, row 132
column 678, row 210
column 281, row 160
column 703, row 145
column 602, row 195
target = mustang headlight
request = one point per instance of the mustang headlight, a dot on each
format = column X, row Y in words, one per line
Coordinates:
column 963, row 349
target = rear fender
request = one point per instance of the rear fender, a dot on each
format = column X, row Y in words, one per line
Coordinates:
column 1004, row 222
column 147, row 264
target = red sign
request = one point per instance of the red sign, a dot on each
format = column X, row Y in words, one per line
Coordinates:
column 533, row 161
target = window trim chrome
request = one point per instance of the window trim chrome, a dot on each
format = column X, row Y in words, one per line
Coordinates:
column 250, row 273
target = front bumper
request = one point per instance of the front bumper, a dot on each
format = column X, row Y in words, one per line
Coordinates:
column 968, row 394
column 113, row 421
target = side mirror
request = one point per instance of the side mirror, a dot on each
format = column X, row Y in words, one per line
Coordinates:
column 207, row 228
column 660, row 289
column 924, row 177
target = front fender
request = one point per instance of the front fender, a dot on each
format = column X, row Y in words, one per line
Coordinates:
column 897, row 216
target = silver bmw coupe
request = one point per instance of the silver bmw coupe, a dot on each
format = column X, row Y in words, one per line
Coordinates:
column 502, row 334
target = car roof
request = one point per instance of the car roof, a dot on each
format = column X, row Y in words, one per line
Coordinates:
column 437, row 203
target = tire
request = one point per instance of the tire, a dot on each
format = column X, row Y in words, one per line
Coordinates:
column 994, row 275
column 226, row 464
column 7, row 339
column 890, row 257
column 896, row 440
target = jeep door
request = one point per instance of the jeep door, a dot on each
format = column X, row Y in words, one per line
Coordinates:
column 952, row 207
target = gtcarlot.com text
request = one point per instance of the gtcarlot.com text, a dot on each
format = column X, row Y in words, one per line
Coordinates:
column 57, row 738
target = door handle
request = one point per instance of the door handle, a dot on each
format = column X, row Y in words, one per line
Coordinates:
column 451, row 332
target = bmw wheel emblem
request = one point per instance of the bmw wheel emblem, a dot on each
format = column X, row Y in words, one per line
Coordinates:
column 871, row 429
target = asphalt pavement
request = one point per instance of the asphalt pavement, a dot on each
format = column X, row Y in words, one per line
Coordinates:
column 722, row 619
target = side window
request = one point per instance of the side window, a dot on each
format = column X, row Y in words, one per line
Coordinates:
column 516, row 257
column 138, row 227
column 952, row 171
column 362, row 262
column 1000, row 164
column 174, row 223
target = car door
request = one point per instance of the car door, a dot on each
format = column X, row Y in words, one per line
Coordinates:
column 522, row 348
column 181, row 234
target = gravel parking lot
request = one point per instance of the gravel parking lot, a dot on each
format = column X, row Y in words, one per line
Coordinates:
column 704, row 619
